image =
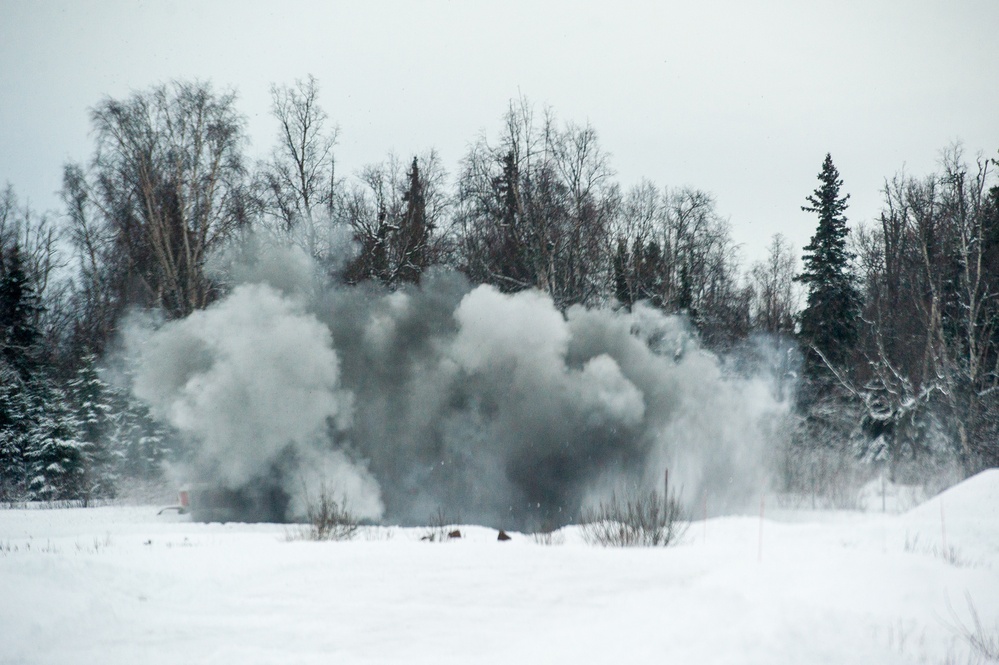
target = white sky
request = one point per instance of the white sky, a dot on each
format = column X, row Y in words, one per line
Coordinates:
column 742, row 99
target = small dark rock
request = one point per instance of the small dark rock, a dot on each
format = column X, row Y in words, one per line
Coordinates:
column 503, row 535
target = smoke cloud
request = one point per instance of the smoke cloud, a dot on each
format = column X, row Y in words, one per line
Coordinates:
column 251, row 380
column 497, row 409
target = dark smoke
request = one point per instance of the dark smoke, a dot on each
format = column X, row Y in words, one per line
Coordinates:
column 497, row 409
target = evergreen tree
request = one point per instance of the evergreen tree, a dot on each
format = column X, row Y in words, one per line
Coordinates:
column 829, row 322
column 19, row 310
column 14, row 427
column 414, row 233
column 622, row 288
column 508, row 259
column 651, row 270
column 394, row 230
column 19, row 365
column 54, row 453
column 91, row 400
column 139, row 442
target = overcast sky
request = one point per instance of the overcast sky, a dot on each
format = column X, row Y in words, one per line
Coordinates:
column 742, row 99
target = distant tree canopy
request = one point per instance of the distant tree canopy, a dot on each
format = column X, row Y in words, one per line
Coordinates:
column 536, row 210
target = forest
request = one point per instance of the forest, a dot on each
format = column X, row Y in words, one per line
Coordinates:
column 883, row 334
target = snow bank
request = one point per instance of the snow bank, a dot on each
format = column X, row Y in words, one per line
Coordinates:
column 961, row 523
column 976, row 498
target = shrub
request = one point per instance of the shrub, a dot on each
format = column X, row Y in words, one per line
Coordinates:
column 329, row 519
column 650, row 520
column 549, row 534
column 440, row 529
column 548, row 538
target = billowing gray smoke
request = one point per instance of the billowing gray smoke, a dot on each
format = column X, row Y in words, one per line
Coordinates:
column 497, row 409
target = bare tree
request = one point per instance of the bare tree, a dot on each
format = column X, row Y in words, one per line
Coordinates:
column 775, row 298
column 36, row 236
column 166, row 187
column 966, row 334
column 43, row 261
column 675, row 252
column 399, row 220
column 536, row 209
column 300, row 189
column 931, row 278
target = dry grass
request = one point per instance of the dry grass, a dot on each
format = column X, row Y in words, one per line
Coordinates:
column 951, row 555
column 982, row 640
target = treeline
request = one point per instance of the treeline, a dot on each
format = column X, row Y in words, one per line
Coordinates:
column 169, row 185
column 927, row 361
column 899, row 331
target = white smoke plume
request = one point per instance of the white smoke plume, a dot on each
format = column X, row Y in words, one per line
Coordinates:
column 250, row 379
column 497, row 408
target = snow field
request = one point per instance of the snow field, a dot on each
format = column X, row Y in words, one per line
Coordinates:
column 124, row 585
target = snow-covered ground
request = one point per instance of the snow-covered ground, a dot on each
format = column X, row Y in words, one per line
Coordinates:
column 125, row 585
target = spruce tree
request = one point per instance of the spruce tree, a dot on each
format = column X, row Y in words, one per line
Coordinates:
column 507, row 258
column 19, row 309
column 14, row 427
column 19, row 373
column 56, row 458
column 91, row 399
column 414, row 233
column 138, row 442
column 651, row 278
column 622, row 287
column 829, row 322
